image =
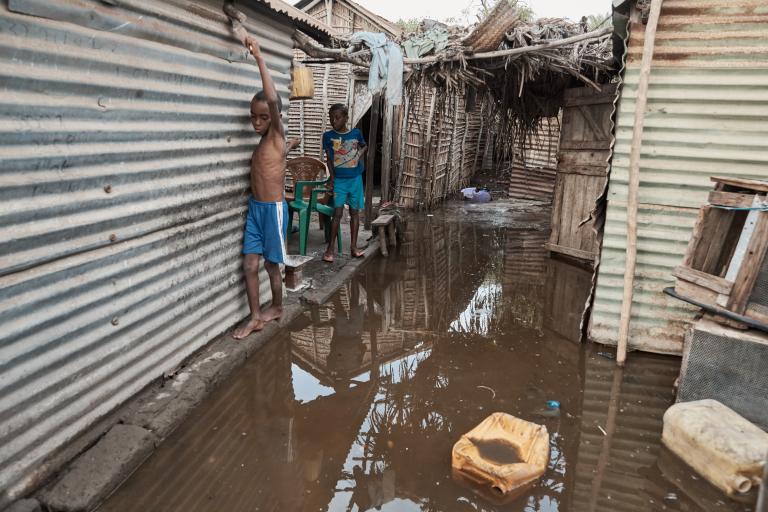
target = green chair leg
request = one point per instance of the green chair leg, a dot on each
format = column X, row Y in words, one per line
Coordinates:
column 303, row 231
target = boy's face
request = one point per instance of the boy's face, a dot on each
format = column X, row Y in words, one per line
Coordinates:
column 261, row 119
column 338, row 120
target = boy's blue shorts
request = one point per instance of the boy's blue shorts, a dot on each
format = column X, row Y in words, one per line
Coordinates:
column 348, row 191
column 266, row 229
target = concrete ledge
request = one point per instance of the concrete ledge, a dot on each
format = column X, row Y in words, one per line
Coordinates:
column 162, row 407
column 321, row 295
column 25, row 506
column 100, row 470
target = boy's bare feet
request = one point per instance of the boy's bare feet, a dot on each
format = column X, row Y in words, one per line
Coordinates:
column 253, row 325
column 272, row 313
column 328, row 257
column 357, row 253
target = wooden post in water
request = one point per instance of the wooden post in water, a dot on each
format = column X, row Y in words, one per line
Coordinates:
column 371, row 160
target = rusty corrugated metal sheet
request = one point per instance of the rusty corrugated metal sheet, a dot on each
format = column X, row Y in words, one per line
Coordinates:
column 533, row 173
column 124, row 148
column 707, row 107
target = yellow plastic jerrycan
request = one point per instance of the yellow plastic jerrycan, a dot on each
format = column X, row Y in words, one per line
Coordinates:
column 725, row 448
column 502, row 456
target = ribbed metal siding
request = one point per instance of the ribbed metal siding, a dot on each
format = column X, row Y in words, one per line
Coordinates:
column 707, row 105
column 124, row 155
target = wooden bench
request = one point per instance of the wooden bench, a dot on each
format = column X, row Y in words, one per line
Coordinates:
column 385, row 225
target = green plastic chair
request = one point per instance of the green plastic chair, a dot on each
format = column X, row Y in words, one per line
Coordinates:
column 305, row 171
column 327, row 212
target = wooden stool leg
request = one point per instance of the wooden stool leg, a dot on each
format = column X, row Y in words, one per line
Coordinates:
column 391, row 234
column 383, row 241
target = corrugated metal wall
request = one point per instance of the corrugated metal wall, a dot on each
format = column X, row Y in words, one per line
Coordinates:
column 124, row 149
column 707, row 106
column 533, row 172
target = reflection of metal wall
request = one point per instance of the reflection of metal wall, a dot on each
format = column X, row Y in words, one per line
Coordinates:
column 628, row 406
column 125, row 144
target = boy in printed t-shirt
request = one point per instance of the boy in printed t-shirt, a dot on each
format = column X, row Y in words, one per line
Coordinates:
column 345, row 150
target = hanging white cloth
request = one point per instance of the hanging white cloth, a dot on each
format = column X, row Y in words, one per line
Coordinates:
column 386, row 71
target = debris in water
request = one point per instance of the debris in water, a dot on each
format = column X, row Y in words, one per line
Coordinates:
column 489, row 389
column 483, row 456
column 553, row 404
column 670, row 497
column 607, row 355
column 603, row 431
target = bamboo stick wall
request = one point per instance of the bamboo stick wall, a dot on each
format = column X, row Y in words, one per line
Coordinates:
column 440, row 146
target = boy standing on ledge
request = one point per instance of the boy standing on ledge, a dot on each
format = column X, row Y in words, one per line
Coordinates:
column 345, row 151
column 267, row 220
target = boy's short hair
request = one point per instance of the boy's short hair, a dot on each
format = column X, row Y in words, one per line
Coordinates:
column 340, row 107
column 262, row 96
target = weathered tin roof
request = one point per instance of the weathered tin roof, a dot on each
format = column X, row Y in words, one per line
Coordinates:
column 707, row 105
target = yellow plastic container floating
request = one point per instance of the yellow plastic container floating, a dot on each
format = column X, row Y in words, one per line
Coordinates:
column 725, row 448
column 502, row 456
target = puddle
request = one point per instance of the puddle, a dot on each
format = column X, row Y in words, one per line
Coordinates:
column 357, row 404
column 496, row 451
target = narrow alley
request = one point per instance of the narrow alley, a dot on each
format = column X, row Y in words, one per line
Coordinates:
column 356, row 404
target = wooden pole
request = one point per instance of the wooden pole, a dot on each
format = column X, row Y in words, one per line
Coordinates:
column 386, row 152
column 634, row 181
column 371, row 160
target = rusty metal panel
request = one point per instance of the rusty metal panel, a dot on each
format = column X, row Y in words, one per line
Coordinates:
column 124, row 159
column 534, row 170
column 706, row 114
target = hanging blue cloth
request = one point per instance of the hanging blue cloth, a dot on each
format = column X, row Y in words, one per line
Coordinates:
column 386, row 65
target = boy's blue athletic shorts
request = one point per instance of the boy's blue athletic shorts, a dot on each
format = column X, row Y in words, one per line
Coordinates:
column 266, row 229
column 348, row 191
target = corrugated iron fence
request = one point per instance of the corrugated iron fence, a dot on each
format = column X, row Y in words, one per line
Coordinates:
column 124, row 153
column 706, row 111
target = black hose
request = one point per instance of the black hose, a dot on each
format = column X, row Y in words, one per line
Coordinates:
column 755, row 324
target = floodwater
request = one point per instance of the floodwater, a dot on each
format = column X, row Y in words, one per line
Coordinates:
column 357, row 404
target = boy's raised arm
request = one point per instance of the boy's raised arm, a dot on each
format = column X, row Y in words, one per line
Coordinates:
column 267, row 84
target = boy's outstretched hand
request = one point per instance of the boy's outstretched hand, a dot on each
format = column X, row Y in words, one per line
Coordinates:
column 253, row 46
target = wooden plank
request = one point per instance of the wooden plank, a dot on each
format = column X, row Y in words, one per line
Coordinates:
column 386, row 154
column 569, row 159
column 383, row 220
column 750, row 267
column 717, row 241
column 758, row 185
column 589, row 100
column 371, row 160
column 714, row 283
column 576, row 253
column 634, row 180
column 731, row 199
column 586, row 170
column 694, row 291
column 557, row 208
column 586, row 145
column 693, row 242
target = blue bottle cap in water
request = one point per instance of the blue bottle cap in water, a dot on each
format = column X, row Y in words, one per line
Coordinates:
column 553, row 404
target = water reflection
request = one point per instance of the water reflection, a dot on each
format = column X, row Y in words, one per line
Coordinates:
column 356, row 406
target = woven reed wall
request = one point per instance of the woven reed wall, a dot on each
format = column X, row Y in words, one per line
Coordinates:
column 308, row 119
column 440, row 146
column 534, row 168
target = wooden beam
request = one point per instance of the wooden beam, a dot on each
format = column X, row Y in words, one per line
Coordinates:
column 634, row 180
column 731, row 199
column 371, row 160
column 758, row 185
column 714, row 283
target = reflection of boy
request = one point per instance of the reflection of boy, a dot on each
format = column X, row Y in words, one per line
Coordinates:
column 345, row 150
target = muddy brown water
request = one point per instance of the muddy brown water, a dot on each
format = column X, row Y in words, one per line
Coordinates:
column 357, row 404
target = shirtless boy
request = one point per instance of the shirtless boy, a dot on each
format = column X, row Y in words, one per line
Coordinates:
column 267, row 220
